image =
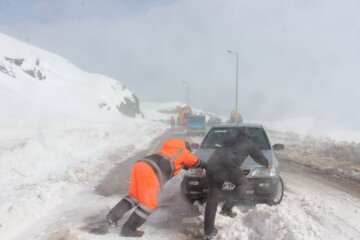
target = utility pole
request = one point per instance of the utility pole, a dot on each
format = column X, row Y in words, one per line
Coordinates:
column 236, row 116
column 237, row 79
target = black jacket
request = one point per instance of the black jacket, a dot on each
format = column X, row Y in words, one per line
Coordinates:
column 227, row 160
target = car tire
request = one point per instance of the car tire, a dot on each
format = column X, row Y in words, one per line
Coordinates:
column 277, row 197
column 188, row 197
column 184, row 192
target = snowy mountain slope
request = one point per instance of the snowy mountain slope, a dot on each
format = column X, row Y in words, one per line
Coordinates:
column 38, row 84
column 60, row 128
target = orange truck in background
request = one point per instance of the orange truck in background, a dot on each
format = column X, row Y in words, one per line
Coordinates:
column 182, row 113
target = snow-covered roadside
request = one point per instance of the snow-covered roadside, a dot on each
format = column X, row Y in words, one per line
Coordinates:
column 310, row 210
column 341, row 159
column 41, row 164
column 306, row 212
column 290, row 221
column 315, row 127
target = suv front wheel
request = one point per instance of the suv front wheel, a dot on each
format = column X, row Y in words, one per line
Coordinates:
column 278, row 195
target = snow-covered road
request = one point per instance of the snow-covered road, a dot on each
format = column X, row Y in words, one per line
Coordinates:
column 330, row 205
column 315, row 206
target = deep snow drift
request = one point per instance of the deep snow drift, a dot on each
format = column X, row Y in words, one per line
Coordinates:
column 42, row 165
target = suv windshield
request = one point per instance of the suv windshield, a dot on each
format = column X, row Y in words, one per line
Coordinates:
column 216, row 137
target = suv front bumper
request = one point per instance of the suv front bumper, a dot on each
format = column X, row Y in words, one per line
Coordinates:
column 196, row 188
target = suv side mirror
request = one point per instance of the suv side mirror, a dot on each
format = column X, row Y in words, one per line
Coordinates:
column 278, row 146
column 195, row 145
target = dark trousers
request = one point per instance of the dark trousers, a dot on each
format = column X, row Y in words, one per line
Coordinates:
column 215, row 195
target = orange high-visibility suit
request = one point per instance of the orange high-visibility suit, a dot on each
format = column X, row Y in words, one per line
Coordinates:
column 148, row 175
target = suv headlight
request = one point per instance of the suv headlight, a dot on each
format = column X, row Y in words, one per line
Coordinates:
column 264, row 172
column 198, row 172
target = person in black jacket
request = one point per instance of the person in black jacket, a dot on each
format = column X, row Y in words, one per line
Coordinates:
column 224, row 166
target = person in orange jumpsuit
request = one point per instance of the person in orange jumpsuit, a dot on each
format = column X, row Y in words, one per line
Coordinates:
column 148, row 176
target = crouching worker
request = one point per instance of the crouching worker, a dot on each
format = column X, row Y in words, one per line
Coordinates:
column 148, row 176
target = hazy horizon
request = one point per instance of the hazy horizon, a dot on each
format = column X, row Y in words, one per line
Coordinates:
column 296, row 59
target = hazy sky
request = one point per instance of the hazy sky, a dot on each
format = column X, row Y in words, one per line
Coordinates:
column 296, row 58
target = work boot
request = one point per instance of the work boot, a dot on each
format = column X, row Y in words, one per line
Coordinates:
column 228, row 213
column 211, row 235
column 127, row 232
column 111, row 219
column 117, row 212
column 129, row 228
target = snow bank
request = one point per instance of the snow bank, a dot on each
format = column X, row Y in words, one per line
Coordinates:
column 298, row 217
column 40, row 165
column 294, row 219
column 341, row 159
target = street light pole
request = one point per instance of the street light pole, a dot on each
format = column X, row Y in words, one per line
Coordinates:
column 237, row 79
column 187, row 92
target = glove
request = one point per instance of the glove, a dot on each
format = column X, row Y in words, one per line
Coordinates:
column 185, row 167
column 201, row 164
